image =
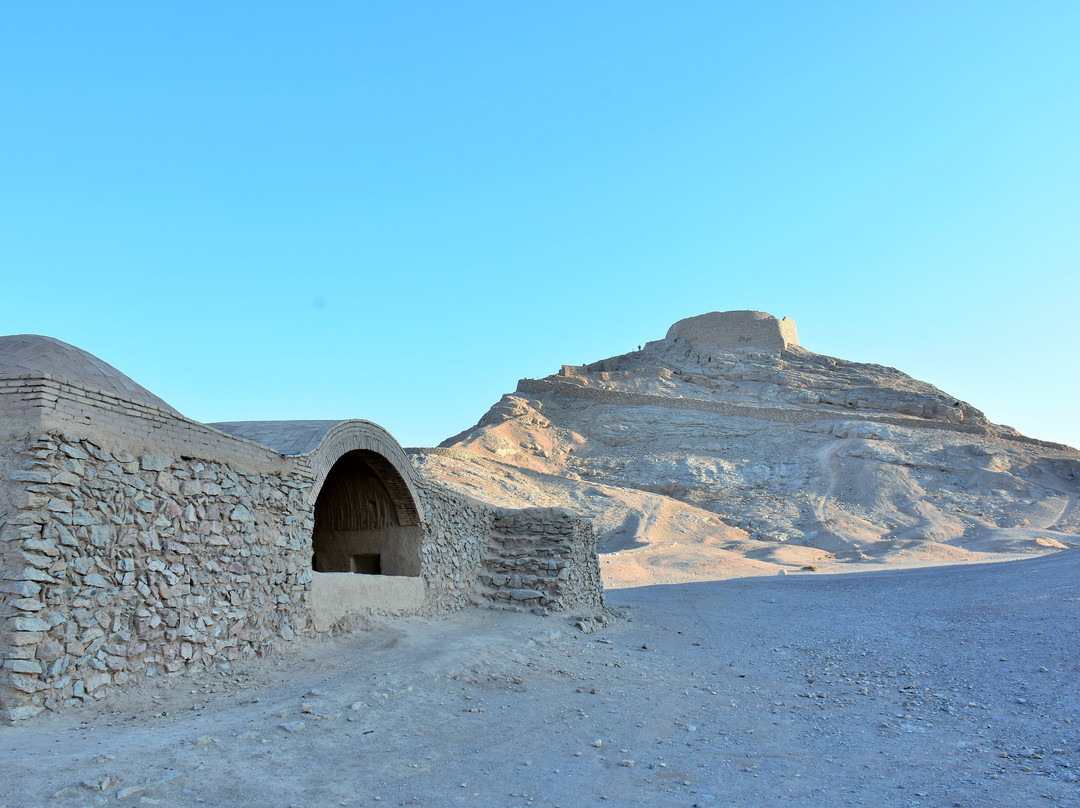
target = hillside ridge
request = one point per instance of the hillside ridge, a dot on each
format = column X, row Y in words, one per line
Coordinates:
column 727, row 448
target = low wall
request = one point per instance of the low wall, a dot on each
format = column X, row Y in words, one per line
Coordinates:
column 482, row 555
column 334, row 596
column 543, row 557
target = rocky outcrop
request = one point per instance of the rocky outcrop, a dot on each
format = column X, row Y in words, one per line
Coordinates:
column 698, row 448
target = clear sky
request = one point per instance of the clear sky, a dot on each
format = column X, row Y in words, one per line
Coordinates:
column 393, row 211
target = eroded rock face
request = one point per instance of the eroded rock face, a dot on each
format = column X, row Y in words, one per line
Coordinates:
column 694, row 458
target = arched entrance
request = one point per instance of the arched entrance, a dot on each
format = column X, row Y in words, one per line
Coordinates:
column 367, row 513
column 366, row 521
column 368, row 517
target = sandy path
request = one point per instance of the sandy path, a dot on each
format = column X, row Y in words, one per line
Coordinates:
column 826, row 458
column 951, row 686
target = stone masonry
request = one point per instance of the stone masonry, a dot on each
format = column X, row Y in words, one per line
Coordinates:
column 119, row 566
column 135, row 542
column 535, row 558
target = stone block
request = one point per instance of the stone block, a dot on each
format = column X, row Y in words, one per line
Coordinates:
column 57, row 505
column 82, row 517
column 22, row 666
column 23, row 638
column 38, row 561
column 20, row 475
column 26, row 589
column 96, row 680
column 57, row 668
column 44, row 546
column 28, row 604
column 22, row 712
column 73, row 451
column 82, row 565
column 23, row 683
column 49, row 650
column 27, row 624
column 525, row 594
column 154, row 462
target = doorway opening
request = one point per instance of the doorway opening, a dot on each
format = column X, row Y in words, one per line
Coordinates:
column 365, row 519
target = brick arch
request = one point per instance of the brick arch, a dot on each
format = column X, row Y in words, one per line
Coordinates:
column 381, row 452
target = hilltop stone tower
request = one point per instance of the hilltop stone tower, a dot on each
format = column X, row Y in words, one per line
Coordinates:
column 733, row 330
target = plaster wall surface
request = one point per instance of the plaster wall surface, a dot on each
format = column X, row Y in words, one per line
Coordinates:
column 334, row 596
column 396, row 548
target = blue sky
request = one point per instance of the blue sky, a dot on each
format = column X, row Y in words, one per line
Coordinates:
column 394, row 211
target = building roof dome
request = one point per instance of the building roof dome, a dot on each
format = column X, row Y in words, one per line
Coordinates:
column 32, row 355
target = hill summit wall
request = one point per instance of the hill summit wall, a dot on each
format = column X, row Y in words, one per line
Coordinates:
column 733, row 330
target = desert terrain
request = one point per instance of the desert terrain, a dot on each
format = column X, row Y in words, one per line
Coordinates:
column 726, row 448
column 827, row 583
column 941, row 686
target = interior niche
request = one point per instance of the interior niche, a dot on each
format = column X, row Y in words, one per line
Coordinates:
column 362, row 517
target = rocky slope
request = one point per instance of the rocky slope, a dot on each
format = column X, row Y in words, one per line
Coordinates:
column 727, row 449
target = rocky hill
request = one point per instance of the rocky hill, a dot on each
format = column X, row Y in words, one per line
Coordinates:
column 726, row 449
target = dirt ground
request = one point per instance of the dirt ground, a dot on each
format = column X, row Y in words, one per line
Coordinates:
column 944, row 686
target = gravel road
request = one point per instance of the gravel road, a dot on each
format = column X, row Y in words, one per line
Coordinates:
column 943, row 686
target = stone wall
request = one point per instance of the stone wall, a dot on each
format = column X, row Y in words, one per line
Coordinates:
column 542, row 557
column 135, row 542
column 10, row 551
column 455, row 541
column 533, row 557
column 119, row 566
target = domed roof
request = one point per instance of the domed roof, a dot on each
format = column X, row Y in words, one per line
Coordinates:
column 34, row 355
